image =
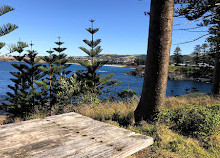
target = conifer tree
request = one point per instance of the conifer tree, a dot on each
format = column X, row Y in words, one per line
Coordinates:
column 17, row 98
column 209, row 12
column 61, row 61
column 89, row 76
column 49, row 83
column 178, row 58
column 197, row 52
column 33, row 75
column 25, row 97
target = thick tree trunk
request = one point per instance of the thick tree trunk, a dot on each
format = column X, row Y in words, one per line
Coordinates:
column 157, row 60
column 216, row 75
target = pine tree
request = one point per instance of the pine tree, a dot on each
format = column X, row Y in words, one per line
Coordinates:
column 204, row 57
column 209, row 12
column 6, row 28
column 61, row 61
column 33, row 75
column 197, row 52
column 89, row 76
column 94, row 83
column 49, row 84
column 26, row 97
column 18, row 97
column 178, row 58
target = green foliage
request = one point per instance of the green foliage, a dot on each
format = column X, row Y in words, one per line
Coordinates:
column 94, row 83
column 191, row 120
column 89, row 98
column 33, row 74
column 55, row 70
column 127, row 94
column 140, row 61
column 197, row 52
column 6, row 28
column 89, row 76
column 180, row 69
column 25, row 96
column 178, row 58
column 2, row 45
column 19, row 47
column 5, row 9
column 50, row 84
column 61, row 60
column 69, row 90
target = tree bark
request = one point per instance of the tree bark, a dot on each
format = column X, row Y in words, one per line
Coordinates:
column 157, row 60
column 216, row 75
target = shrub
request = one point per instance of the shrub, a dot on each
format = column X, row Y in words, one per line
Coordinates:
column 89, row 98
column 127, row 94
column 192, row 121
column 69, row 89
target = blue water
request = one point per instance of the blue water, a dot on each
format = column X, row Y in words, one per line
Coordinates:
column 129, row 82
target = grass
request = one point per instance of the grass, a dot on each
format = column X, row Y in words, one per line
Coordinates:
column 181, row 69
column 167, row 141
column 171, row 144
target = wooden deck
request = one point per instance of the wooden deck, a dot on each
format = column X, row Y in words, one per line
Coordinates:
column 69, row 135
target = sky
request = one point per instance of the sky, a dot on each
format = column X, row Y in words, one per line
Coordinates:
column 123, row 27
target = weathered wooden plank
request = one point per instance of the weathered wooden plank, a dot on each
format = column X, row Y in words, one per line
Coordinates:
column 68, row 135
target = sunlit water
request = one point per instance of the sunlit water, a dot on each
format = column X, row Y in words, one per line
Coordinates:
column 174, row 88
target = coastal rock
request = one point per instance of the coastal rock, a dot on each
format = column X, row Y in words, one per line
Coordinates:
column 139, row 71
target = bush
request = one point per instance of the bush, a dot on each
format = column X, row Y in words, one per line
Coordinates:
column 192, row 121
column 185, row 70
column 69, row 89
column 127, row 94
column 89, row 98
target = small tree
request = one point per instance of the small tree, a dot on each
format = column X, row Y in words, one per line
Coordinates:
column 18, row 97
column 50, row 84
column 204, row 46
column 93, row 82
column 61, row 61
column 140, row 61
column 26, row 97
column 178, row 58
column 89, row 76
column 196, row 52
column 33, row 75
column 70, row 89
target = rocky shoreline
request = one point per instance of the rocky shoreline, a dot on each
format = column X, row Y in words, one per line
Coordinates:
column 139, row 72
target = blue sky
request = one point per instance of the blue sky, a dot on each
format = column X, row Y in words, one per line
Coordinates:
column 123, row 25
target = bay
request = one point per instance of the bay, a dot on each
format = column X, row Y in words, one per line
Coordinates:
column 174, row 88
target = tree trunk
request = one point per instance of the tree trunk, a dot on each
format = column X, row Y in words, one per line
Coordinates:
column 157, row 60
column 216, row 75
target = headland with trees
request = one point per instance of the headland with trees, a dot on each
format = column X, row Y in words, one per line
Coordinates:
column 185, row 126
